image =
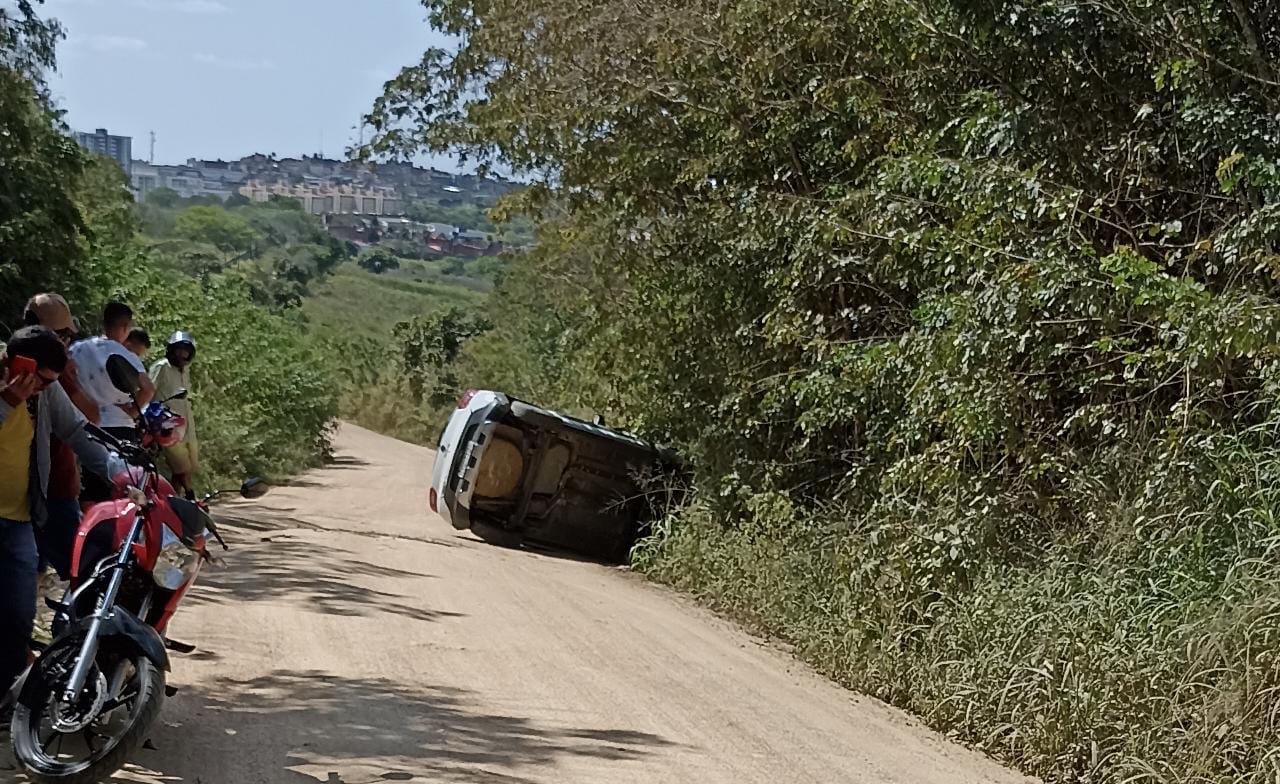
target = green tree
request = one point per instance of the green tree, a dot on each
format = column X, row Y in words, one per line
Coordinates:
column 429, row 347
column 163, row 197
column 284, row 203
column 28, row 41
column 455, row 265
column 280, row 225
column 225, row 230
column 42, row 230
column 102, row 193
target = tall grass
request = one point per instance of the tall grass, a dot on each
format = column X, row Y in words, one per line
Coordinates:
column 356, row 303
column 1145, row 649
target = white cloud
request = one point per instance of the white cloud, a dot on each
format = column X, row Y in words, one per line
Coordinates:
column 235, row 63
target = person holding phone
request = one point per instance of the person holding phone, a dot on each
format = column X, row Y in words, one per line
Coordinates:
column 34, row 409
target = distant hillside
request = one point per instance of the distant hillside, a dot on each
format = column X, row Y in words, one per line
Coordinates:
column 353, row 303
column 393, row 338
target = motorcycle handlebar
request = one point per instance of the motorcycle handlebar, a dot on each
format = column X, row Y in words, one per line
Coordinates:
column 98, row 434
column 132, row 453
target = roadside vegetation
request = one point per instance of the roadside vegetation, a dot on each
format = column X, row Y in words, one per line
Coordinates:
column 381, row 321
column 363, row 314
column 965, row 316
column 67, row 224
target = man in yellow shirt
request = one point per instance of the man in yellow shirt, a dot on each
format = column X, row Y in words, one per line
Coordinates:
column 16, row 436
column 33, row 410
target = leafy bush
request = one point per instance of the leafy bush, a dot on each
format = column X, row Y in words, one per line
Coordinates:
column 378, row 260
column 429, row 348
column 262, row 392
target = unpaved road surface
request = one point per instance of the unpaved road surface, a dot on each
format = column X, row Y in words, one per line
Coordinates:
column 354, row 637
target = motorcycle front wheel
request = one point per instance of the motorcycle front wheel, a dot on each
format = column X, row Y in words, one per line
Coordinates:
column 87, row 742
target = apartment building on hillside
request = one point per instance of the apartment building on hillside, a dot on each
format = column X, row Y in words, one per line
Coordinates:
column 322, row 198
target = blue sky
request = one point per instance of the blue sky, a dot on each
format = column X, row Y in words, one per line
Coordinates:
column 225, row 78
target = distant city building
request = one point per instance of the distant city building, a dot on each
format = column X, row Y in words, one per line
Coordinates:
column 322, row 186
column 219, row 179
column 118, row 148
column 321, row 198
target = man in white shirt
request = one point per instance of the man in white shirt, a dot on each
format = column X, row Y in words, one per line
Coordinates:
column 116, row 409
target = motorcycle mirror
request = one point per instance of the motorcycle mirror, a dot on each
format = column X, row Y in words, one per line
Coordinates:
column 254, row 488
column 122, row 374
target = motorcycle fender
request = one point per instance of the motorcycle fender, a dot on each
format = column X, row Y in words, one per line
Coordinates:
column 123, row 623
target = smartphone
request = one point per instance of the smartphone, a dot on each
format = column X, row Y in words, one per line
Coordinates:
column 21, row 366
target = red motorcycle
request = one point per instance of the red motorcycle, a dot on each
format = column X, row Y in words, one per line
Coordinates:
column 92, row 695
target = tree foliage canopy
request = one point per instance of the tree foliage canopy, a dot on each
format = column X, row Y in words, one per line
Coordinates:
column 378, row 260
column 929, row 291
column 42, row 231
column 221, row 228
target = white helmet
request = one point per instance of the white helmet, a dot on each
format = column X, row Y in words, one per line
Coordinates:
column 181, row 338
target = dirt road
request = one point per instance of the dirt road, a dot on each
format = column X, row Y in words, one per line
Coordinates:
column 354, row 638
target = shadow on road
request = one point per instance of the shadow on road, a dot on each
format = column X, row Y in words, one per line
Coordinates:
column 290, row 726
column 267, row 521
column 302, row 726
column 329, row 579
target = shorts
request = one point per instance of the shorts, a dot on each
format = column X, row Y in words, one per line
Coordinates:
column 181, row 458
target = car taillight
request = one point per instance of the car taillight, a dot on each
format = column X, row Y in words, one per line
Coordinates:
column 465, row 400
column 435, row 500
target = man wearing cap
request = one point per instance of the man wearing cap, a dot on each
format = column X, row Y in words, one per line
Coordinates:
column 171, row 374
column 63, row 496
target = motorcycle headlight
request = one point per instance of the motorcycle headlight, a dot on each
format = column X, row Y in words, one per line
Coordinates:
column 176, row 563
